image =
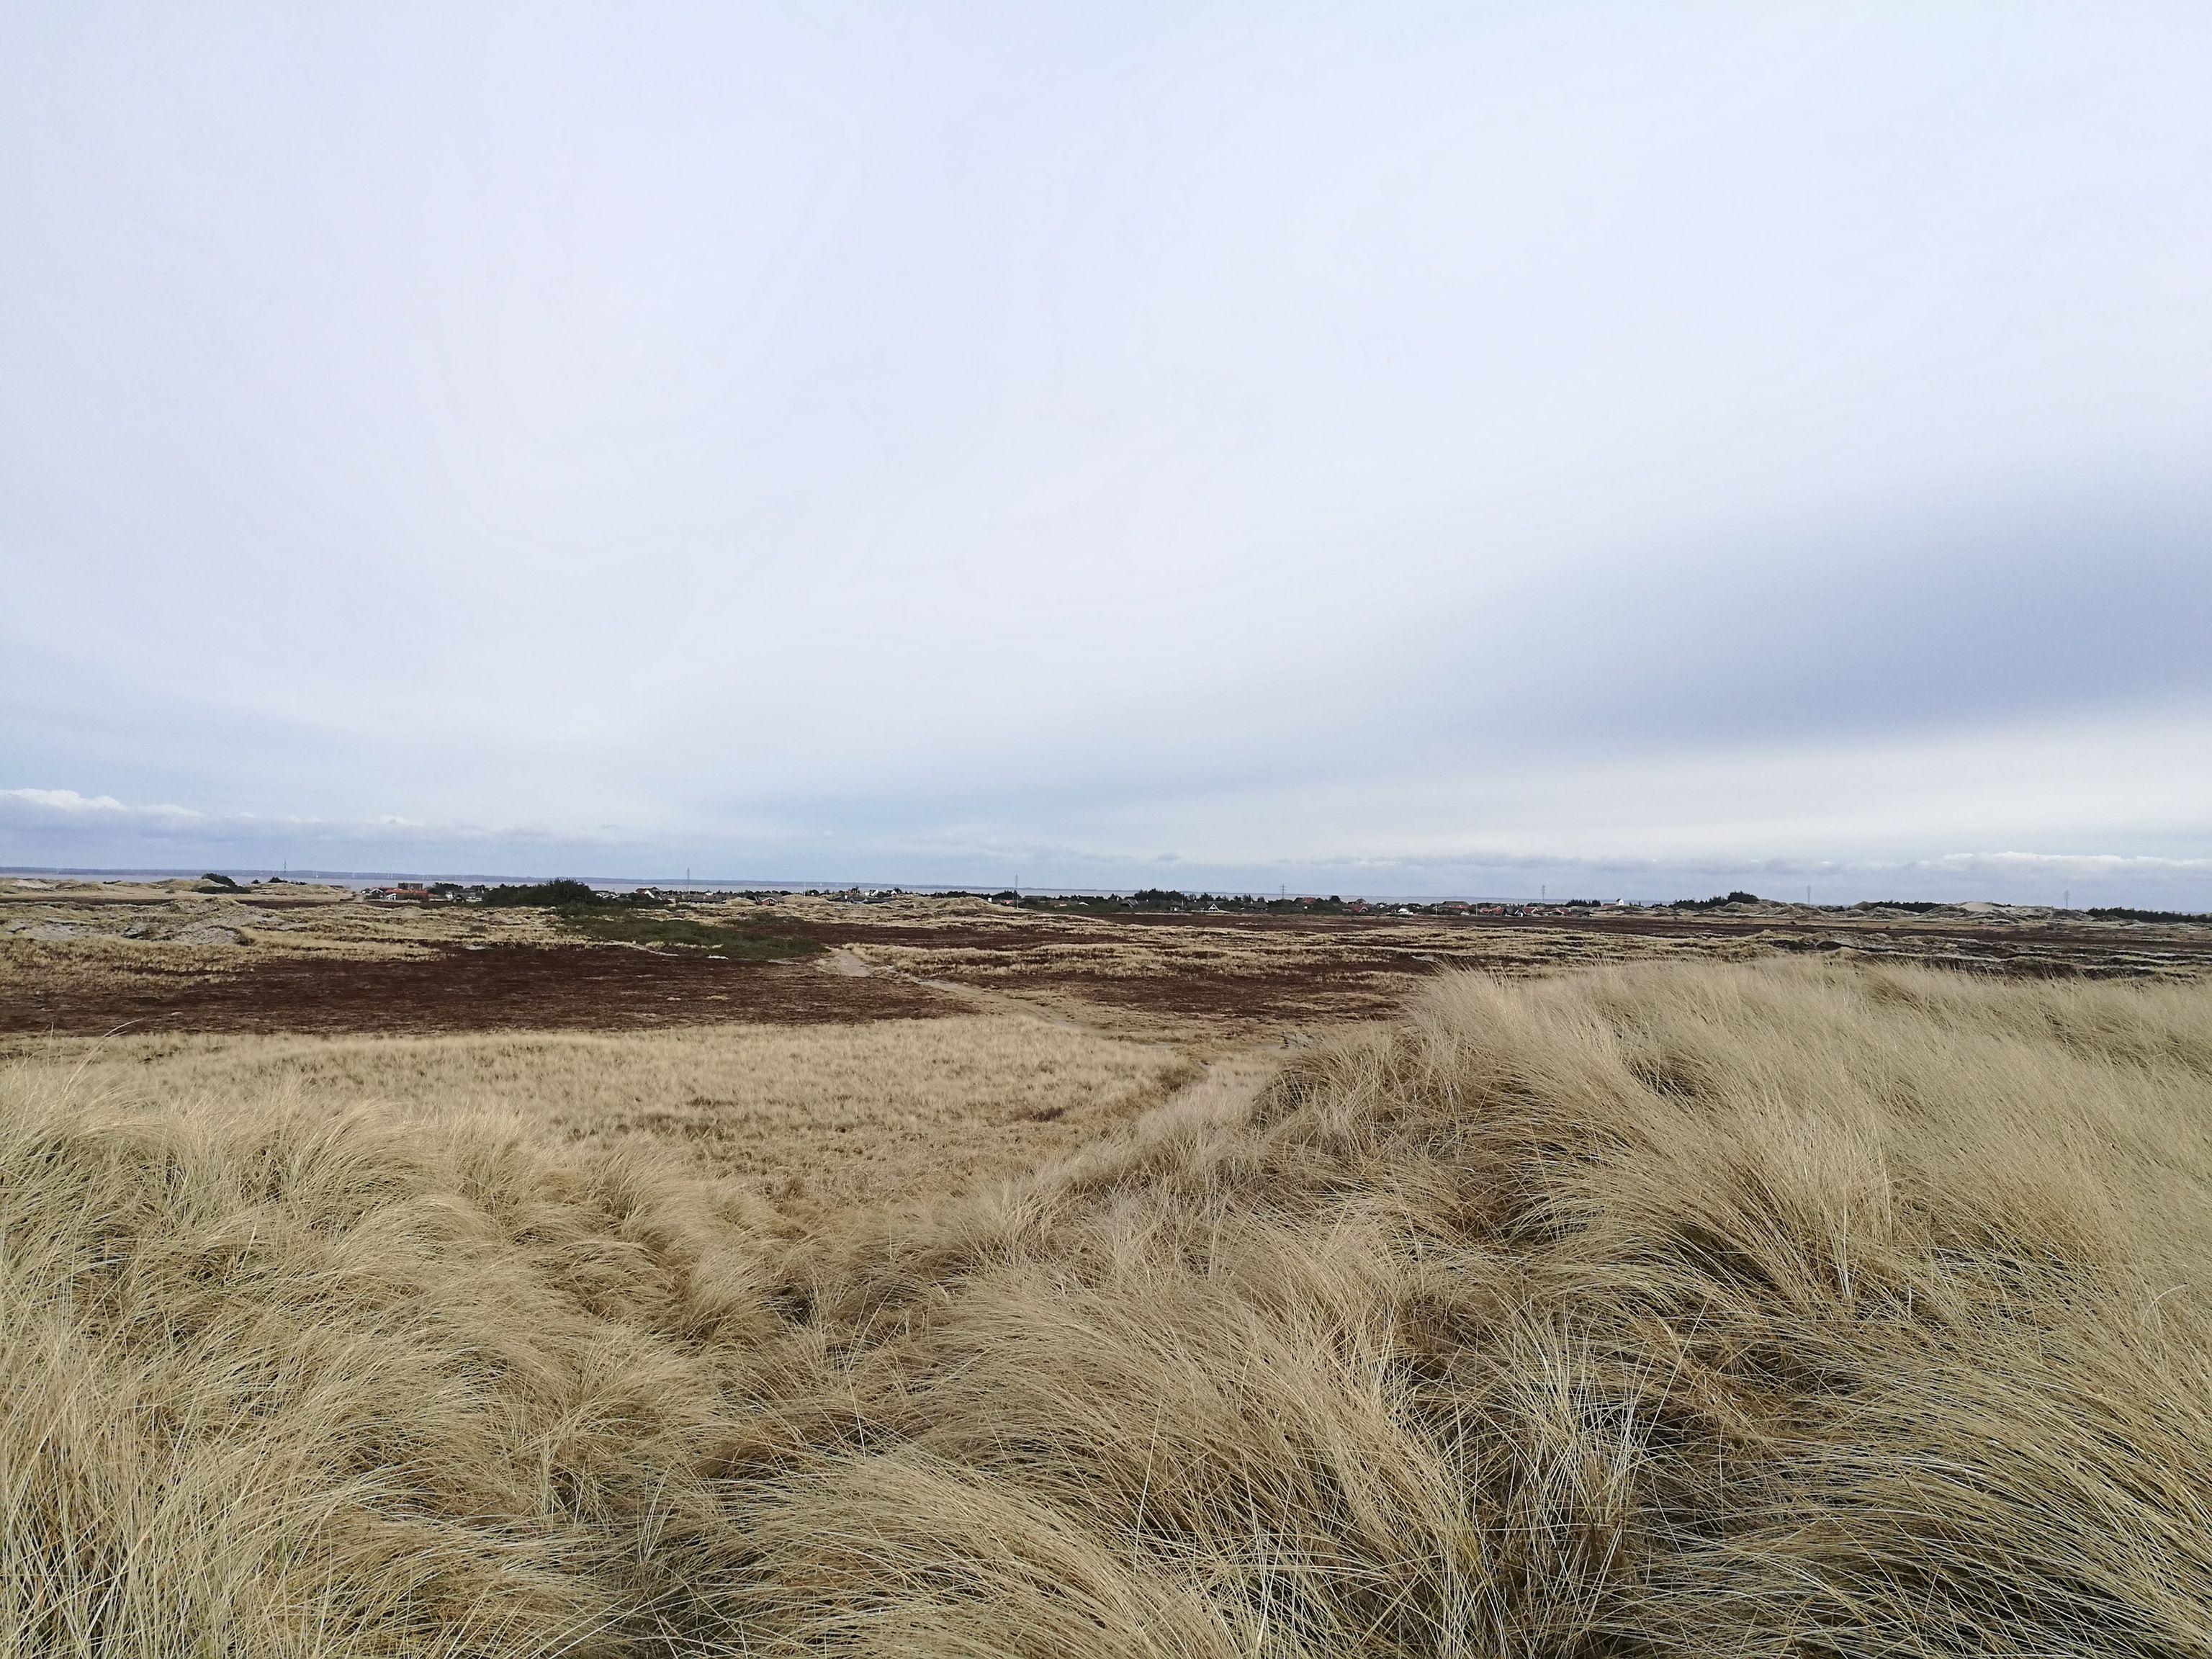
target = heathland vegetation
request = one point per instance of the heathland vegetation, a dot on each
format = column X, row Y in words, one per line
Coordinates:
column 1780, row 1308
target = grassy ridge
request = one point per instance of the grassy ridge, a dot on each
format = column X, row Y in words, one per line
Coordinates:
column 1769, row 1309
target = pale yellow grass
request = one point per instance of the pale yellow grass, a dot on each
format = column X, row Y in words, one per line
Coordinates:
column 1777, row 1309
column 816, row 1113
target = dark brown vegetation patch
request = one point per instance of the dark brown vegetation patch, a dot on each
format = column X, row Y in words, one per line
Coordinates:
column 1024, row 934
column 501, row 988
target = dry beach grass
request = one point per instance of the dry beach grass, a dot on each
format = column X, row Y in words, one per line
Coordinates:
column 839, row 1113
column 1776, row 1309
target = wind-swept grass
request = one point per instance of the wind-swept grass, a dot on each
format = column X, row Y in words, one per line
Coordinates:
column 273, row 1385
column 1772, row 1309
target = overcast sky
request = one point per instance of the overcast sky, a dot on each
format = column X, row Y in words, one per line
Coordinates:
column 1626, row 450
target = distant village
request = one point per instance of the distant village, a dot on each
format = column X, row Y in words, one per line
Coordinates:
column 569, row 892
column 1149, row 899
column 1153, row 899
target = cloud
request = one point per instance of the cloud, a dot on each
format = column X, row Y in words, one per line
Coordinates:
column 908, row 451
column 65, row 810
column 62, row 800
column 64, row 828
column 1959, row 872
column 66, row 819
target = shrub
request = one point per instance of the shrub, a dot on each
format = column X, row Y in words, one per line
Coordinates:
column 1738, row 896
column 564, row 891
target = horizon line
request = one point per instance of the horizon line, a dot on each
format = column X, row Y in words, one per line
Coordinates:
column 982, row 890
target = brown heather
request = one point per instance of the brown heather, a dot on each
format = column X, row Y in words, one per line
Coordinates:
column 1682, row 1308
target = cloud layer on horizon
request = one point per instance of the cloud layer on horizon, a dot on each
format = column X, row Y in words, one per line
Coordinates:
column 1661, row 827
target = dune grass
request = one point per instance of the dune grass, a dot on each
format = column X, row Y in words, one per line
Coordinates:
column 835, row 1115
column 1767, row 1310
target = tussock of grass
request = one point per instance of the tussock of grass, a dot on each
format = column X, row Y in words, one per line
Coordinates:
column 1779, row 1310
column 273, row 1385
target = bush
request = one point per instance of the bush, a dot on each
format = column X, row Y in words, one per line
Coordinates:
column 561, row 891
column 1738, row 896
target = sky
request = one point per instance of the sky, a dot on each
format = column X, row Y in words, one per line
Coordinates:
column 1483, row 449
